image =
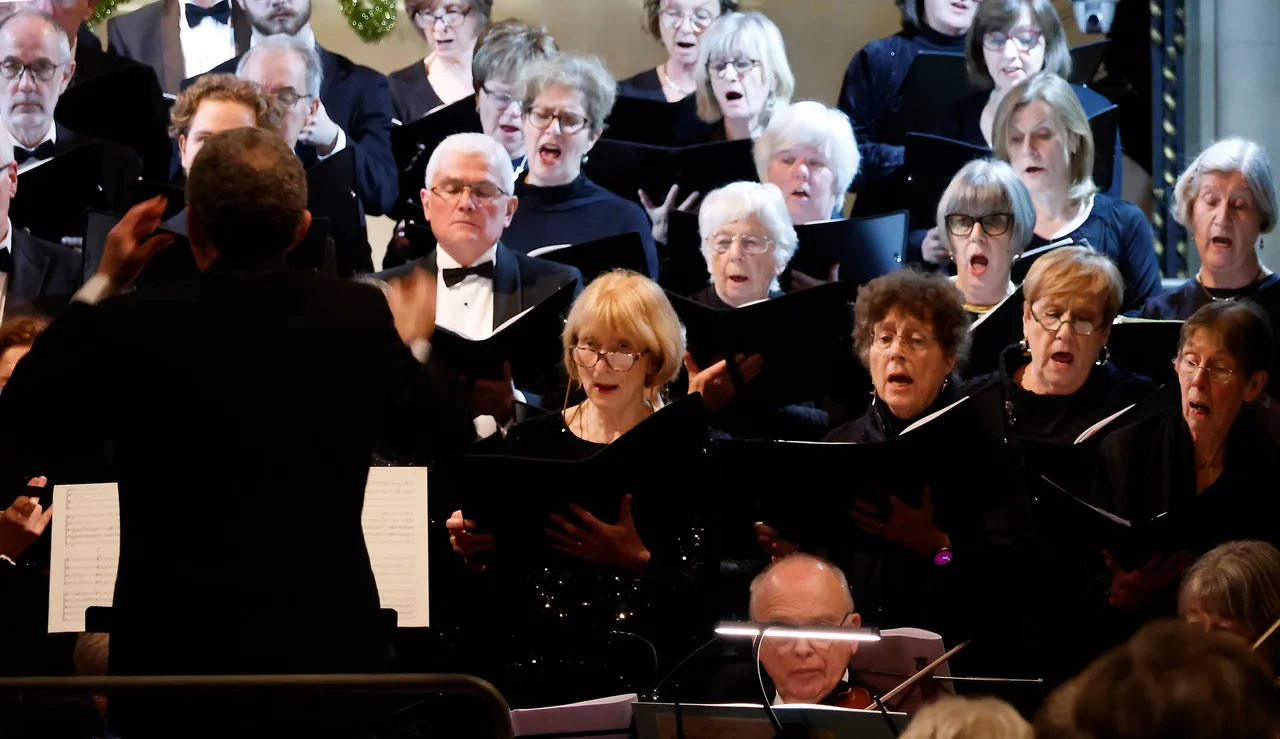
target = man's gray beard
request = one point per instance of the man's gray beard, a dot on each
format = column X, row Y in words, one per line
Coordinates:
column 299, row 21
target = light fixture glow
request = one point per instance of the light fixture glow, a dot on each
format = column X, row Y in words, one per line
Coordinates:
column 783, row 631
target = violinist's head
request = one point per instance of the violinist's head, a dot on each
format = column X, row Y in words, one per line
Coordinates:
column 1235, row 588
column 801, row 590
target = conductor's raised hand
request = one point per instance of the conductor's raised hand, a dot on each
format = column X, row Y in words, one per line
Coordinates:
column 465, row 541
column 412, row 299
column 597, row 541
column 131, row 244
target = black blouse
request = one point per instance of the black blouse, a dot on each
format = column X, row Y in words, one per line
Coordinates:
column 412, row 95
column 646, row 85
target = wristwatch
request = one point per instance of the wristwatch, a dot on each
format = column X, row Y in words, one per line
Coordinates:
column 942, row 556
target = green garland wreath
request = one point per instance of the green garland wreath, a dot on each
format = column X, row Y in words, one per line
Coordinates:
column 372, row 20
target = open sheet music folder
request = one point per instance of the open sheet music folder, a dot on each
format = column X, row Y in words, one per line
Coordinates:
column 746, row 721
column 86, row 546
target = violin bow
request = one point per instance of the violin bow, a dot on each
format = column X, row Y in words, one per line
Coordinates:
column 906, row 684
column 1266, row 634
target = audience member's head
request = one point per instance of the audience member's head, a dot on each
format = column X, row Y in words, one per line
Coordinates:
column 270, row 17
column 968, row 718
column 1171, row 680
column 1235, row 588
column 35, row 67
column 217, row 103
column 290, row 70
column 802, row 590
column 247, row 197
column 468, row 197
column 16, row 337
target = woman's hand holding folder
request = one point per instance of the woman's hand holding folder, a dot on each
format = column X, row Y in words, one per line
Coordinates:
column 913, row 528
column 467, row 543
column 714, row 383
column 1133, row 589
column 597, row 541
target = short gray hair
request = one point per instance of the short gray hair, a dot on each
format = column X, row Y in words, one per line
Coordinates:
column 1239, row 580
column 961, row 717
column 584, row 73
column 1229, row 155
column 506, row 48
column 282, row 42
column 474, row 144
column 810, row 123
column 761, row 580
column 64, row 42
column 739, row 201
column 986, row 186
column 754, row 35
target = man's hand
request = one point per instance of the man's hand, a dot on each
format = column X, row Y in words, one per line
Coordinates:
column 321, row 132
column 128, row 247
column 23, row 522
column 412, row 299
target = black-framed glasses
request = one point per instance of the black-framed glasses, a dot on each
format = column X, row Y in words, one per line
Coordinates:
column 1189, row 368
column 721, row 243
column 502, row 99
column 1025, row 39
column 41, row 69
column 569, row 122
column 453, row 189
column 289, row 96
column 701, row 18
column 1052, row 321
column 993, row 224
column 450, row 18
column 620, row 361
column 912, row 343
column 816, row 642
column 741, row 66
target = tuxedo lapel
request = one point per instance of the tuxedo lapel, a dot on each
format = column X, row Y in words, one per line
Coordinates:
column 173, row 63
column 30, row 266
column 329, row 63
column 241, row 27
column 507, row 302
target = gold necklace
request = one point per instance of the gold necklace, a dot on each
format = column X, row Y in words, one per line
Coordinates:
column 670, row 84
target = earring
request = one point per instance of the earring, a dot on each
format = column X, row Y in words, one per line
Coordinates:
column 1104, row 357
column 586, row 158
column 1023, row 346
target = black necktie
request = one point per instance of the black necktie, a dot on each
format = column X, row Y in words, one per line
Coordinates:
column 454, row 275
column 220, row 12
column 43, row 151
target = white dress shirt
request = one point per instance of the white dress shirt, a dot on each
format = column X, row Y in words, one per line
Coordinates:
column 207, row 45
column 51, row 136
column 466, row 308
column 6, row 244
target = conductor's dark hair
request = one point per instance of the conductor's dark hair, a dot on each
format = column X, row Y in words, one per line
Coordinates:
column 994, row 16
column 248, row 190
column 653, row 14
column 1241, row 326
column 928, row 296
column 1171, row 680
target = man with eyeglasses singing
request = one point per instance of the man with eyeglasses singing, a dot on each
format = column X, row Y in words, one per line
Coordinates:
column 468, row 201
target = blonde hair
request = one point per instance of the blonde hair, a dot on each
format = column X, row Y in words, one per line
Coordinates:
column 968, row 718
column 755, row 36
column 1053, row 91
column 629, row 304
column 1076, row 271
column 1239, row 580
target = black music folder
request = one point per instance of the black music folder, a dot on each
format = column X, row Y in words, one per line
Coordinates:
column 935, row 82
column 175, row 196
column 1022, row 262
column 656, row 122
column 124, row 105
column 1146, row 347
column 413, row 143
column 1086, row 60
column 530, row 341
column 1104, row 124
column 331, row 194
column 796, row 335
column 805, row 490
column 865, row 248
column 931, row 163
column 674, row 437
column 625, row 168
column 594, row 258
column 683, row 267
column 993, row 332
column 54, row 194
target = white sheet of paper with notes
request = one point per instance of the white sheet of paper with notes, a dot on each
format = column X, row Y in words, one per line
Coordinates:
column 86, row 546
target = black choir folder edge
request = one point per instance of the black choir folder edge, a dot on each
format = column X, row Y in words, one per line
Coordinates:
column 530, row 341
column 625, row 168
column 594, row 258
column 675, row 437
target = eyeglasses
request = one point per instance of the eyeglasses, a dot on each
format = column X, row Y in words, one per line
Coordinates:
column 451, row 190
column 450, row 18
column 569, row 122
column 1025, row 40
column 1051, row 321
column 741, row 66
column 815, row 642
column 503, row 99
column 289, row 96
column 750, row 243
column 910, row 343
column 586, row 358
column 993, row 224
column 41, row 69
column 1188, row 368
column 700, row 18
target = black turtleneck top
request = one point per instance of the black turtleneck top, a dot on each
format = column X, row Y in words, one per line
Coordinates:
column 574, row 213
column 869, row 95
column 879, row 423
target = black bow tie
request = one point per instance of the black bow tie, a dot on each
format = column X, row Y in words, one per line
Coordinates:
column 454, row 275
column 43, row 151
column 220, row 12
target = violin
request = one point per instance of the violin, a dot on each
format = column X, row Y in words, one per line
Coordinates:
column 854, row 697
